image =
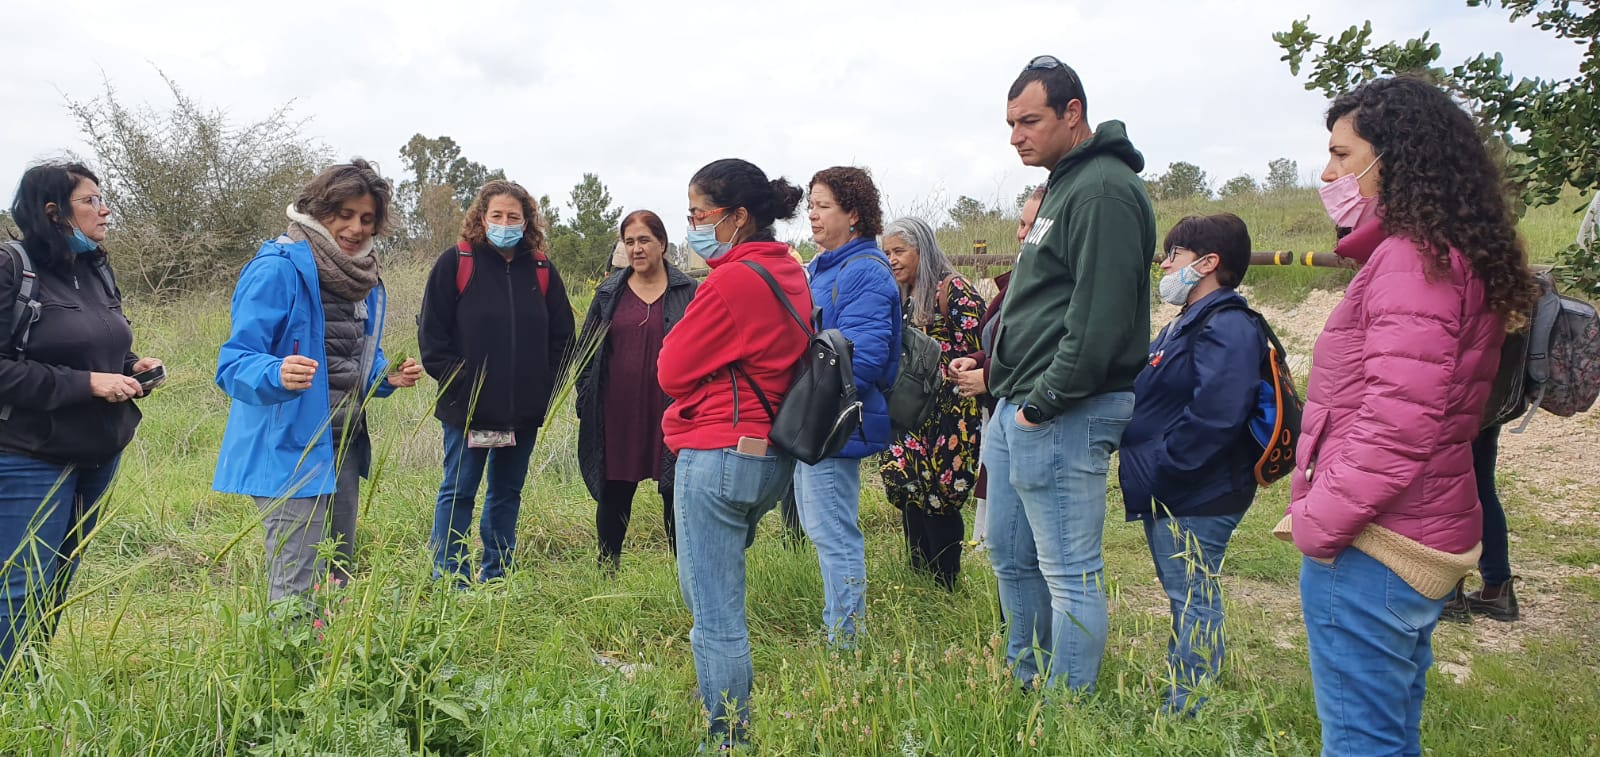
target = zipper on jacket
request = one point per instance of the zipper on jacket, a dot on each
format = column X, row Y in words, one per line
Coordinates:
column 511, row 312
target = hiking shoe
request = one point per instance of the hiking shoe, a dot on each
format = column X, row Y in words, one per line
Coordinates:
column 1456, row 608
column 1501, row 606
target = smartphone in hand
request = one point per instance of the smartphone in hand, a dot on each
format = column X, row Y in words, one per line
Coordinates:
column 149, row 380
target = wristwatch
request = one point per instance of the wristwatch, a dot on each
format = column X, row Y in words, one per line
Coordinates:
column 1033, row 414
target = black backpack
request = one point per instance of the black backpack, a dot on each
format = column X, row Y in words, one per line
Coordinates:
column 821, row 409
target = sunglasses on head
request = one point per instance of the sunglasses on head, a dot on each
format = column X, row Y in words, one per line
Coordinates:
column 1044, row 63
column 1051, row 62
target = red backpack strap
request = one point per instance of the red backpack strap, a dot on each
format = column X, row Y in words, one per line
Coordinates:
column 541, row 263
column 463, row 266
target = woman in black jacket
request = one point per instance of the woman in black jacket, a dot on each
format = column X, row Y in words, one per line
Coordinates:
column 620, row 402
column 66, row 393
column 494, row 328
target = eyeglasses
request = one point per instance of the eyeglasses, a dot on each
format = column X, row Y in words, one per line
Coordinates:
column 1044, row 63
column 94, row 201
column 695, row 218
column 1172, row 254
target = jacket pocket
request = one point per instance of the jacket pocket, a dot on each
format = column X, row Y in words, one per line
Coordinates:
column 1313, row 432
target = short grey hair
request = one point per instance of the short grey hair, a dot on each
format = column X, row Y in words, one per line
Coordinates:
column 932, row 266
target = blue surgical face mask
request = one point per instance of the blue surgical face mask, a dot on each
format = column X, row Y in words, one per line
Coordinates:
column 503, row 237
column 81, row 244
column 703, row 240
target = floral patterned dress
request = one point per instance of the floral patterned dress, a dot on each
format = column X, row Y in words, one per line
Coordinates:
column 933, row 468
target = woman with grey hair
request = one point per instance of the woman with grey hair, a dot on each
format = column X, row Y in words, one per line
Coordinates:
column 930, row 471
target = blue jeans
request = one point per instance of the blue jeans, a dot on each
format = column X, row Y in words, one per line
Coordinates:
column 720, row 497
column 1494, row 564
column 1047, row 513
column 1188, row 552
column 452, row 515
column 829, row 497
column 1371, row 640
column 46, row 513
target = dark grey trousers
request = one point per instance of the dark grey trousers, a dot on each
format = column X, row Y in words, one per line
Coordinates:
column 295, row 527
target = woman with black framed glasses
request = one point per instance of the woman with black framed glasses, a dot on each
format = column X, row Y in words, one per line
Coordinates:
column 67, row 385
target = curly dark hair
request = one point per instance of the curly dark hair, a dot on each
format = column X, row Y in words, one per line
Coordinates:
column 1438, row 185
column 473, row 230
column 853, row 188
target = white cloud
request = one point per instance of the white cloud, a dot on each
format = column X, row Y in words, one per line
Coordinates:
column 643, row 93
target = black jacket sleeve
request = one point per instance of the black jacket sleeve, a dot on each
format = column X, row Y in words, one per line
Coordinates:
column 436, row 324
column 559, row 311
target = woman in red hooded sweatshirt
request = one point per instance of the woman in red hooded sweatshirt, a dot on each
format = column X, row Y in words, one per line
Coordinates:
column 735, row 333
column 1384, row 504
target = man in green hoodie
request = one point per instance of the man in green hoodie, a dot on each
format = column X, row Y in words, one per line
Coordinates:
column 1074, row 332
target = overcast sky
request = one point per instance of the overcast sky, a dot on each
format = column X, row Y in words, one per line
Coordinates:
column 644, row 93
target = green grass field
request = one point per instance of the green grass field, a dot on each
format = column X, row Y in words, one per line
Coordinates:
column 167, row 647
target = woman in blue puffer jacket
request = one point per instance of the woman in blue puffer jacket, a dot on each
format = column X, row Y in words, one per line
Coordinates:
column 851, row 282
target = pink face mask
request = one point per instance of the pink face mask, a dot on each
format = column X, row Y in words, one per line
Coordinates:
column 1342, row 198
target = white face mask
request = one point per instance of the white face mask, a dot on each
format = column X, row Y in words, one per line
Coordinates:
column 1176, row 286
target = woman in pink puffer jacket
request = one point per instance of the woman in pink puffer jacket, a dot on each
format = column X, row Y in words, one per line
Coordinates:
column 1384, row 504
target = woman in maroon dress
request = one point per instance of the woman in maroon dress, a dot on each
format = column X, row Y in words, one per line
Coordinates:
column 620, row 403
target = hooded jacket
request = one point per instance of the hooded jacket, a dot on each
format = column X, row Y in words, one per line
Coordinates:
column 500, row 332
column 868, row 313
column 55, row 417
column 279, row 442
column 1076, row 320
column 734, row 318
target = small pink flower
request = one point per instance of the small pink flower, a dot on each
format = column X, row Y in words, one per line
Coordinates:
column 317, row 623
